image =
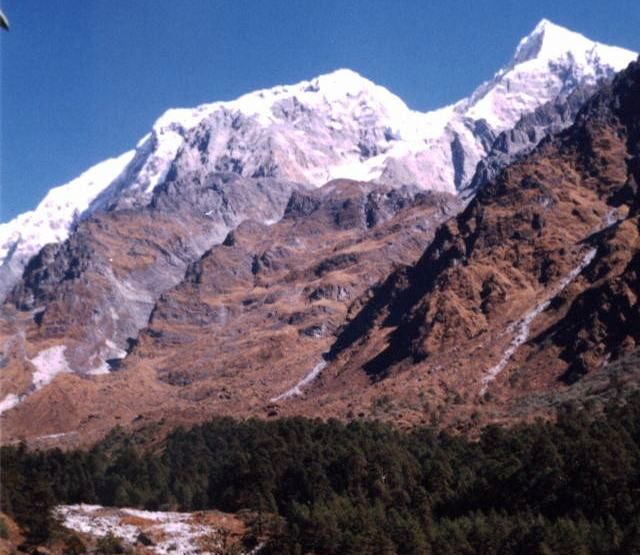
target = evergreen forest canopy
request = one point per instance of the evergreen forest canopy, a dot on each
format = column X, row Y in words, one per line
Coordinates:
column 366, row 488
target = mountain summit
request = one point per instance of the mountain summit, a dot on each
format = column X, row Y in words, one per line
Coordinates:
column 338, row 125
column 549, row 41
column 549, row 62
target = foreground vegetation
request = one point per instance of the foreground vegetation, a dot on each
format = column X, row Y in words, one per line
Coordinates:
column 363, row 487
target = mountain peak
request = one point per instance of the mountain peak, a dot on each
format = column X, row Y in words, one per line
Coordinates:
column 549, row 62
column 335, row 125
column 338, row 83
column 343, row 75
column 545, row 25
column 548, row 40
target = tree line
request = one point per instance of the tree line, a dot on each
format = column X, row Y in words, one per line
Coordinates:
column 363, row 487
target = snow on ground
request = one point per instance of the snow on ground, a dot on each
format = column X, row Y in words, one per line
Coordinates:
column 49, row 363
column 100, row 370
column 10, row 400
column 110, row 351
column 90, row 519
column 171, row 532
column 523, row 326
column 297, row 389
column 55, row 436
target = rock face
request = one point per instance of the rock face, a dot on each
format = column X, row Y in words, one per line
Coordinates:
column 338, row 125
column 548, row 119
column 95, row 291
column 270, row 308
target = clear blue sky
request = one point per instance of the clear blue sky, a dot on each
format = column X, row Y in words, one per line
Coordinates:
column 83, row 80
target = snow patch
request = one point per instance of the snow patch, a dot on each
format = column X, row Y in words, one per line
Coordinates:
column 100, row 370
column 55, row 436
column 85, row 519
column 522, row 327
column 49, row 363
column 297, row 389
column 110, row 351
column 114, row 351
column 113, row 313
column 178, row 533
column 10, row 400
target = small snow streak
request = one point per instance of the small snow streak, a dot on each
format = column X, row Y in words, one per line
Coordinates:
column 55, row 436
column 297, row 389
column 522, row 327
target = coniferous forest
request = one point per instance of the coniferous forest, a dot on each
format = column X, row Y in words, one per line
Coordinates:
column 572, row 486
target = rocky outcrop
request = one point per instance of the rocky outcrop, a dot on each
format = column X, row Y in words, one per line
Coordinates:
column 97, row 289
column 259, row 302
column 548, row 119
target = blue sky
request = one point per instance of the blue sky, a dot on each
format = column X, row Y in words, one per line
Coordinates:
column 83, row 80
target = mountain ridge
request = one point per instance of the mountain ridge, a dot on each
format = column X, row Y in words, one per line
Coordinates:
column 381, row 139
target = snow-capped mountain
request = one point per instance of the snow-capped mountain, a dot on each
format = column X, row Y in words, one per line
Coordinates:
column 338, row 125
column 549, row 62
column 50, row 222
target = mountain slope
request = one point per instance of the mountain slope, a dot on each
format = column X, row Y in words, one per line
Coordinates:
column 533, row 286
column 152, row 284
column 338, row 125
column 249, row 316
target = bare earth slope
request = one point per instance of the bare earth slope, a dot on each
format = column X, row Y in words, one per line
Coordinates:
column 246, row 323
column 337, row 310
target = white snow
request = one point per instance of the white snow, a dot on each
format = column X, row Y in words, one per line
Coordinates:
column 88, row 520
column 10, row 400
column 532, row 78
column 109, row 351
column 167, row 141
column 308, row 378
column 55, row 436
column 522, row 327
column 52, row 361
column 179, row 532
column 100, row 370
column 113, row 351
column 49, row 363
